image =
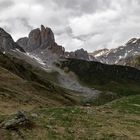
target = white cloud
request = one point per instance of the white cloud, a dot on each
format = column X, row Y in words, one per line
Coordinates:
column 69, row 42
column 76, row 23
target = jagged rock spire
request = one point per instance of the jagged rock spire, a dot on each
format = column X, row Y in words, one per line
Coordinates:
column 38, row 38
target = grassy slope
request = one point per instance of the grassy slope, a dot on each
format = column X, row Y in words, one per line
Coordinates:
column 25, row 87
column 16, row 93
column 118, row 120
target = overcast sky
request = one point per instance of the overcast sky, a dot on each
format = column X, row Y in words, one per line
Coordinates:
column 88, row 24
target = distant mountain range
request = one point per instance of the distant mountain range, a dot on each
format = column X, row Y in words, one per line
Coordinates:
column 121, row 55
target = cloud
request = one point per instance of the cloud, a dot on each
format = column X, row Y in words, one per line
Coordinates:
column 91, row 24
column 5, row 4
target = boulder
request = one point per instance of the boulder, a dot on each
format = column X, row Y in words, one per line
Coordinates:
column 19, row 120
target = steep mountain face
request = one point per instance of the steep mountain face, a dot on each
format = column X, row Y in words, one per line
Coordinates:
column 41, row 43
column 7, row 43
column 113, row 56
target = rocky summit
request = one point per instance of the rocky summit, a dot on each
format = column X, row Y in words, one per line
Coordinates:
column 40, row 39
column 41, row 44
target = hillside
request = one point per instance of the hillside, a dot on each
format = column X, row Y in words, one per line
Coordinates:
column 113, row 81
column 23, row 86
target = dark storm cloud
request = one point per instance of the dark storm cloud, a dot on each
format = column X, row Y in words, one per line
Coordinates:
column 91, row 24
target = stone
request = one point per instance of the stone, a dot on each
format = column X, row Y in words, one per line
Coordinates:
column 19, row 120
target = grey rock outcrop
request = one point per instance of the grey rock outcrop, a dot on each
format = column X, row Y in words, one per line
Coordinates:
column 47, row 37
column 20, row 120
column 38, row 39
column 7, row 43
column 34, row 40
column 78, row 54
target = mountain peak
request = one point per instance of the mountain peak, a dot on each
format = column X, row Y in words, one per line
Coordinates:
column 4, row 34
column 7, row 43
column 113, row 56
column 38, row 38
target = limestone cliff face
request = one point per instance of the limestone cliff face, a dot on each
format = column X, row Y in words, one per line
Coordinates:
column 40, row 39
column 34, row 40
column 47, row 37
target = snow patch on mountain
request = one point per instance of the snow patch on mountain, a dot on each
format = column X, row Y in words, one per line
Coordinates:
column 36, row 58
column 113, row 56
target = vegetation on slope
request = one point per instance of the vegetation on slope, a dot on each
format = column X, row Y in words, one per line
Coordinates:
column 114, row 121
column 121, row 80
column 25, row 87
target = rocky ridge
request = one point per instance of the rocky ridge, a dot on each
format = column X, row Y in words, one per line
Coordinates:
column 41, row 43
column 7, row 43
column 113, row 56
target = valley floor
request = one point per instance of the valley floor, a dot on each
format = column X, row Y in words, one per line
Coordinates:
column 118, row 120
